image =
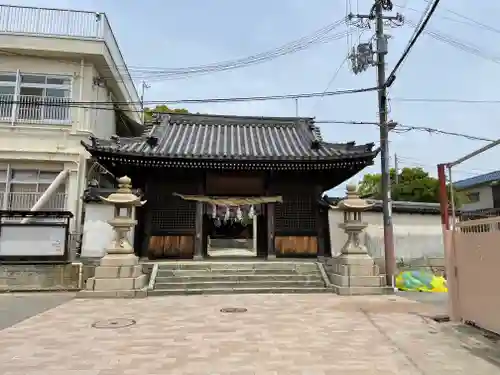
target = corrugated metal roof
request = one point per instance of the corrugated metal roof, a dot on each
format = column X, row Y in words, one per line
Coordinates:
column 477, row 180
column 234, row 137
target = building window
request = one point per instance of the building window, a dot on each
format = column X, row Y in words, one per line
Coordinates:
column 35, row 98
column 20, row 189
column 8, row 84
column 473, row 197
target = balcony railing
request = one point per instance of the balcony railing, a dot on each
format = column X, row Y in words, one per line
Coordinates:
column 24, row 201
column 35, row 109
column 66, row 23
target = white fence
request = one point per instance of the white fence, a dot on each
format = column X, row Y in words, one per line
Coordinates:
column 35, row 109
column 24, row 201
column 66, row 23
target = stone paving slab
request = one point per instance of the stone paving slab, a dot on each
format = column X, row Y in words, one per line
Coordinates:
column 279, row 334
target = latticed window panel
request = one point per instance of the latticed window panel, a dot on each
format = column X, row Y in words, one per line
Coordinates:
column 296, row 213
column 169, row 212
column 174, row 218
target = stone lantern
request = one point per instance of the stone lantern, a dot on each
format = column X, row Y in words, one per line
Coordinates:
column 353, row 271
column 122, row 222
column 353, row 225
column 119, row 273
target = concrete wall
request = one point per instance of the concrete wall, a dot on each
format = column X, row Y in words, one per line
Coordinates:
column 415, row 235
column 485, row 198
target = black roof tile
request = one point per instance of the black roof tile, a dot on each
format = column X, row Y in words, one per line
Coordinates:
column 233, row 137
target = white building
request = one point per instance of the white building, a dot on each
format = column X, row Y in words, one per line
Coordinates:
column 482, row 192
column 54, row 66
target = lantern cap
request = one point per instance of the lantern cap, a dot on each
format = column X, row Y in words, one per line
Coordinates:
column 124, row 196
column 352, row 201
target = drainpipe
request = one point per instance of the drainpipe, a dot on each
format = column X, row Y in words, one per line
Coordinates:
column 81, row 176
column 48, row 193
column 81, row 112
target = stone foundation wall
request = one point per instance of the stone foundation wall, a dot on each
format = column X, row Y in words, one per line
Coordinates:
column 50, row 277
column 38, row 277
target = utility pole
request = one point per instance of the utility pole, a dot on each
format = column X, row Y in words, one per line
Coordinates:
column 144, row 86
column 361, row 58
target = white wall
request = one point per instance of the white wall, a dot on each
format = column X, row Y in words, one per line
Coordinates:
column 485, row 198
column 48, row 143
column 99, row 121
column 106, row 55
column 415, row 235
column 102, row 119
column 97, row 233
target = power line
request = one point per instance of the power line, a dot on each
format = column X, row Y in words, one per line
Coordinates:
column 471, row 20
column 396, row 128
column 347, row 122
column 411, row 43
column 320, row 36
column 399, row 128
column 468, row 21
column 420, row 163
column 206, row 100
column 406, row 128
column 454, row 42
column 330, row 82
column 447, row 100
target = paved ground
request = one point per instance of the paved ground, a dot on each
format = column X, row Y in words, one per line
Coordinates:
column 279, row 334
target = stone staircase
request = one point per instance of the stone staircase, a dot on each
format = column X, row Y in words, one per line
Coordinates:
column 178, row 278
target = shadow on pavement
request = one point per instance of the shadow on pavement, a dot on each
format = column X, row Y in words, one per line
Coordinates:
column 15, row 308
column 481, row 343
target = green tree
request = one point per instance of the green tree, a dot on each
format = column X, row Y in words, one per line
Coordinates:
column 414, row 185
column 162, row 108
column 371, row 184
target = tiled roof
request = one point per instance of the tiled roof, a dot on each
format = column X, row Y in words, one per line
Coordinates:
column 477, row 180
column 234, row 137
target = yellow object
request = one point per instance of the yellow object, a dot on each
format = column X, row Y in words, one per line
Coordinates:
column 421, row 281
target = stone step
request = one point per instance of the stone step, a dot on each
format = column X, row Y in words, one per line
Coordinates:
column 184, row 272
column 211, row 266
column 238, row 290
column 237, row 277
column 269, row 284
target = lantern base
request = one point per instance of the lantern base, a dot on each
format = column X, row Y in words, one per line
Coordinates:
column 117, row 275
column 356, row 274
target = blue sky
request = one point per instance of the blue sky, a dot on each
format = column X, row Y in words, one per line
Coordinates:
column 175, row 34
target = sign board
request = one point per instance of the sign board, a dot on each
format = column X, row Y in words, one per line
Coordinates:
column 32, row 240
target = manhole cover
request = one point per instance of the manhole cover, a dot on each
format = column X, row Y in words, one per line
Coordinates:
column 113, row 323
column 233, row 310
